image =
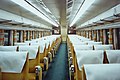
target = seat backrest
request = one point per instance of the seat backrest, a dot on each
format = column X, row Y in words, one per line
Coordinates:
column 94, row 43
column 103, row 47
column 102, row 72
column 12, row 62
column 89, row 57
column 113, row 56
column 21, row 44
column 83, row 47
column 8, row 48
column 41, row 46
column 79, row 43
column 33, row 50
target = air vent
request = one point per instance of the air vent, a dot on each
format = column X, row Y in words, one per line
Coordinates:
column 70, row 1
column 42, row 4
column 69, row 8
column 68, row 13
column 69, row 4
column 39, row 0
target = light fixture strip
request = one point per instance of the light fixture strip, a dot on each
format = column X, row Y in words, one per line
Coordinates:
column 28, row 7
column 77, row 11
column 41, row 12
column 85, row 6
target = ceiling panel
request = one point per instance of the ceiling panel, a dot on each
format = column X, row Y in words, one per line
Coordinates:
column 53, row 6
column 97, row 8
column 58, row 8
column 9, row 6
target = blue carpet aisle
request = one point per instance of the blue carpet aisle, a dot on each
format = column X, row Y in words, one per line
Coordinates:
column 59, row 67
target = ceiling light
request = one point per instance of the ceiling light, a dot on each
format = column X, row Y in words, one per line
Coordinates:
column 28, row 7
column 82, row 10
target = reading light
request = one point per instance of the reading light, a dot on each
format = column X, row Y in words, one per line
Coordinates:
column 33, row 10
column 84, row 7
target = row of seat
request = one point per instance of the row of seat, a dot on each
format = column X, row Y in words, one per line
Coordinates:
column 93, row 47
column 86, row 57
column 26, row 61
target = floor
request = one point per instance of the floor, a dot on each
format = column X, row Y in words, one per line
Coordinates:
column 58, row 69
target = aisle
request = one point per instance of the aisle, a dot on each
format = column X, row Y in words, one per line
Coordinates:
column 59, row 67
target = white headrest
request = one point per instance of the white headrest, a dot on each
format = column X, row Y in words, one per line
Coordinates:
column 94, row 43
column 83, row 47
column 113, row 56
column 79, row 43
column 84, row 39
column 42, row 46
column 102, row 71
column 33, row 50
column 89, row 57
column 103, row 47
column 21, row 44
column 88, row 41
column 12, row 62
column 8, row 48
column 28, row 42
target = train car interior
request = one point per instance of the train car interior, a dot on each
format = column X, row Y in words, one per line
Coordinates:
column 59, row 39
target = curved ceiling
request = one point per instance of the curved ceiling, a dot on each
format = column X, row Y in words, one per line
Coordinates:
column 62, row 11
